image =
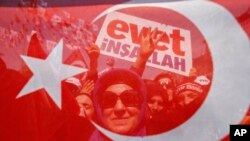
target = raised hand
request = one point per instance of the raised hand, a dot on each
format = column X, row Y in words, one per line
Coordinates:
column 147, row 46
column 93, row 51
column 149, row 43
column 87, row 87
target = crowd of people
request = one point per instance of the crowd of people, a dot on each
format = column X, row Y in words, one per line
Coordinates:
column 121, row 101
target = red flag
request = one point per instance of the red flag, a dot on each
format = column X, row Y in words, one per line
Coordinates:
column 35, row 49
column 37, row 102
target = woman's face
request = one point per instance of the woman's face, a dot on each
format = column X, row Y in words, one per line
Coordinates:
column 186, row 97
column 120, row 106
column 155, row 104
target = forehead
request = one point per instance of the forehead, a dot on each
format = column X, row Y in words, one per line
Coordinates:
column 156, row 97
column 83, row 99
column 165, row 79
column 118, row 88
column 189, row 93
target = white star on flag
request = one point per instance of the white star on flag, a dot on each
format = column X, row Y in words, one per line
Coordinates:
column 48, row 74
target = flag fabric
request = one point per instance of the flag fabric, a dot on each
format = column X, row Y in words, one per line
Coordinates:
column 44, row 65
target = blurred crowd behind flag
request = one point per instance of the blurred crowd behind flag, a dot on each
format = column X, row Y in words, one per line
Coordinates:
column 34, row 28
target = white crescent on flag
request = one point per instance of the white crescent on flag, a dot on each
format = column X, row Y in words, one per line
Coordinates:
column 219, row 100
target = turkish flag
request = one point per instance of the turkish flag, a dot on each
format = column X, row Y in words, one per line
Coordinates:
column 34, row 107
column 36, row 117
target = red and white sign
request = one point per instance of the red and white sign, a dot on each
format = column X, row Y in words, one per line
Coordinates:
column 120, row 37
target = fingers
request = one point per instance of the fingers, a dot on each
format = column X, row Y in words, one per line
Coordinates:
column 87, row 82
column 159, row 37
column 144, row 37
column 149, row 32
column 154, row 33
column 90, row 46
column 88, row 86
column 92, row 49
column 94, row 46
column 155, row 37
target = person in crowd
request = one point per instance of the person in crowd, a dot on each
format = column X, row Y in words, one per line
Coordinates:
column 167, row 82
column 187, row 93
column 120, row 101
column 83, row 94
column 84, row 100
column 158, row 104
column 78, row 126
column 189, row 96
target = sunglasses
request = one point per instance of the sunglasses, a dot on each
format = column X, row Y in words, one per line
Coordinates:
column 130, row 98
